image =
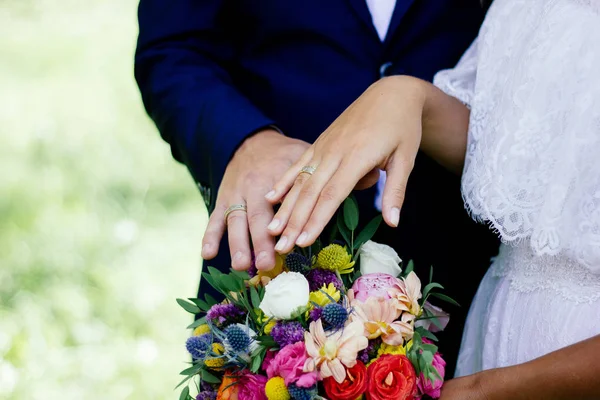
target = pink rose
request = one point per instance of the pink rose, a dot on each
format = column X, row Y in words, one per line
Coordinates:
column 433, row 389
column 269, row 356
column 374, row 285
column 251, row 386
column 289, row 364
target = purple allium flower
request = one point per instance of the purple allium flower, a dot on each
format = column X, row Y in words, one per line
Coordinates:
column 219, row 314
column 285, row 333
column 315, row 313
column 319, row 277
column 207, row 395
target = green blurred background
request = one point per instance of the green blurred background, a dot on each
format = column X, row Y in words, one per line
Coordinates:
column 100, row 229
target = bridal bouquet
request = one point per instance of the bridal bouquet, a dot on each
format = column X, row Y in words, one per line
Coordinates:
column 339, row 320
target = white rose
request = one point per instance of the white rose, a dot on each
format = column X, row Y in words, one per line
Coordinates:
column 379, row 258
column 284, row 295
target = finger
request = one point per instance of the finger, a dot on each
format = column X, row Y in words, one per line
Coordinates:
column 305, row 203
column 288, row 179
column 331, row 197
column 260, row 213
column 214, row 233
column 368, row 180
column 239, row 239
column 398, row 170
column 280, row 219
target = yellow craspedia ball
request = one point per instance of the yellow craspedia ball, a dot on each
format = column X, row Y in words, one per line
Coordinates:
column 269, row 326
column 201, row 330
column 389, row 349
column 335, row 258
column 216, row 362
column 276, row 389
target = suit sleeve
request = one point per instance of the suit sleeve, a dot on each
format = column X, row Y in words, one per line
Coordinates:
column 181, row 69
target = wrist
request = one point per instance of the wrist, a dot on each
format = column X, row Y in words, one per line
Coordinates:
column 259, row 138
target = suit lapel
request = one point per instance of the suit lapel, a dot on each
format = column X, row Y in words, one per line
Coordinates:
column 362, row 11
column 400, row 11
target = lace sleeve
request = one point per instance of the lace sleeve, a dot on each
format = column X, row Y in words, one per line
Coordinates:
column 459, row 81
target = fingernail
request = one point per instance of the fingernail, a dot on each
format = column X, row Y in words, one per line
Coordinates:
column 302, row 239
column 395, row 216
column 270, row 195
column 273, row 225
column 281, row 244
column 237, row 256
column 261, row 255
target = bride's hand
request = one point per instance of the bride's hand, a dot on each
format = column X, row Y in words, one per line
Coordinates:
column 381, row 130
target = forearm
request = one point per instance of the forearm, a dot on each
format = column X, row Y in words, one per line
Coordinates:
column 569, row 373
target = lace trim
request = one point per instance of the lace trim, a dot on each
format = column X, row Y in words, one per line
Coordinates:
column 528, row 272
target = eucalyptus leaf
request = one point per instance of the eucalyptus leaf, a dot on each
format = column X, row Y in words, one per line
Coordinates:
column 193, row 370
column 368, row 231
column 431, row 274
column 211, row 301
column 343, row 228
column 189, row 307
column 211, row 281
column 410, row 267
column 429, row 288
column 184, row 380
column 197, row 323
column 201, row 304
column 208, row 377
column 445, row 298
column 254, row 297
column 351, row 213
column 185, row 393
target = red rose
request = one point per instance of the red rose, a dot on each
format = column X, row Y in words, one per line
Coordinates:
column 391, row 377
column 353, row 386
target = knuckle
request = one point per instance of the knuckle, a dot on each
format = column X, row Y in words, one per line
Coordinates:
column 256, row 216
column 329, row 193
column 235, row 218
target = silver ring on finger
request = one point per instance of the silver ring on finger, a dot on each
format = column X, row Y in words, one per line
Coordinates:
column 308, row 169
column 234, row 207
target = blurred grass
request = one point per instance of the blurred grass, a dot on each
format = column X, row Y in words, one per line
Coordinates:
column 99, row 228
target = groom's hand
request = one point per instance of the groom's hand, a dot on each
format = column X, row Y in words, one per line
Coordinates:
column 259, row 162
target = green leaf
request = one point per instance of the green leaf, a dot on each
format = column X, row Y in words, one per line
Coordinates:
column 184, row 380
column 351, row 213
column 185, row 393
column 267, row 341
column 258, row 359
column 211, row 281
column 208, row 377
column 254, row 297
column 343, row 228
column 431, row 274
column 230, row 283
column 429, row 288
column 426, row 334
column 367, row 233
column 243, row 275
column 445, row 298
column 211, row 301
column 410, row 267
column 197, row 323
column 189, row 307
column 202, row 305
column 193, row 370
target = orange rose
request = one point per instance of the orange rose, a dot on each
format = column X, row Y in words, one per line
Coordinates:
column 351, row 388
column 391, row 377
column 228, row 389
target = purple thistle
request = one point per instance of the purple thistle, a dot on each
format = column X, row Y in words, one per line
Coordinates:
column 285, row 333
column 319, row 277
column 315, row 313
column 207, row 395
column 219, row 314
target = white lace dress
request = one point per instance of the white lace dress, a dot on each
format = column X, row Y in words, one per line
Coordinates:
column 532, row 81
